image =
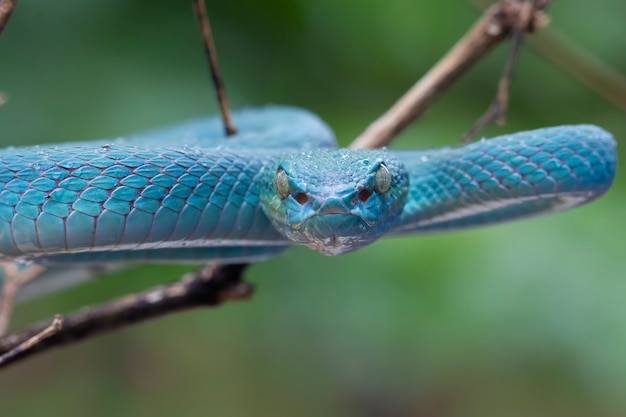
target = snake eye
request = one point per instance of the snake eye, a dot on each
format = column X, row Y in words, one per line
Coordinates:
column 382, row 179
column 281, row 183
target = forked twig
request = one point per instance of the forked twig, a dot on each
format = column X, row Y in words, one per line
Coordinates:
column 208, row 287
column 496, row 23
column 497, row 110
column 27, row 345
column 211, row 55
column 14, row 279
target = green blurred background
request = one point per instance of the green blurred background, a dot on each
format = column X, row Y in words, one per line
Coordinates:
column 516, row 320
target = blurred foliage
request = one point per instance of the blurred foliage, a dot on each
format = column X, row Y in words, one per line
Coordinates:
column 515, row 320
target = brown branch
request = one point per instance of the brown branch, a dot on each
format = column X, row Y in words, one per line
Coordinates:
column 6, row 8
column 497, row 110
column 208, row 287
column 14, row 279
column 211, row 55
column 22, row 348
column 496, row 23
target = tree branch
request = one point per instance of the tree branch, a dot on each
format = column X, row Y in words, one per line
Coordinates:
column 496, row 23
column 210, row 286
column 6, row 8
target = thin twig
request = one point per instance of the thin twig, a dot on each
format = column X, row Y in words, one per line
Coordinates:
column 51, row 329
column 495, row 24
column 207, row 287
column 6, row 8
column 211, row 55
column 14, row 279
column 497, row 110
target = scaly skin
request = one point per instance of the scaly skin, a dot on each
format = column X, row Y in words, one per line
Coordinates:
column 179, row 193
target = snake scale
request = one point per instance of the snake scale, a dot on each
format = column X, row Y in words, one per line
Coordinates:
column 187, row 193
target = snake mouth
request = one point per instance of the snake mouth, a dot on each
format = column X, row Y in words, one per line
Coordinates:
column 332, row 234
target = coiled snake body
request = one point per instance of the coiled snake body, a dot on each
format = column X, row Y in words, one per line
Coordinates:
column 188, row 193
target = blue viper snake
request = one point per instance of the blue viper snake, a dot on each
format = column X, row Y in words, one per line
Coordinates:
column 187, row 193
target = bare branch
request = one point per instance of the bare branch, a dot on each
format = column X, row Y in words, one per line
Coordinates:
column 496, row 23
column 210, row 286
column 497, row 110
column 6, row 8
column 211, row 55
column 14, row 278
column 53, row 328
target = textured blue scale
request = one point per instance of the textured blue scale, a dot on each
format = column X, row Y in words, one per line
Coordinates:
column 203, row 190
column 27, row 210
column 6, row 239
column 217, row 201
column 551, row 164
column 117, row 171
column 197, row 201
column 174, row 203
column 172, row 155
column 512, row 179
column 575, row 160
column 43, row 165
column 154, row 191
column 97, row 195
column 34, row 197
column 210, row 180
column 117, row 206
column 80, row 229
column 197, row 170
column 540, row 157
column 147, row 204
column 51, row 232
column 6, row 175
column 86, row 172
column 56, row 173
column 174, row 170
column 87, row 155
column 134, row 181
column 56, row 209
column 472, row 155
column 25, row 233
column 109, row 228
column 242, row 187
column 503, row 172
column 188, row 180
column 160, row 161
column 482, row 176
column 560, row 172
column 163, row 180
column 526, row 168
column 62, row 195
column 70, row 163
column 132, row 161
column 551, row 146
column 87, row 207
column 494, row 166
column 145, row 155
column 564, row 154
column 102, row 162
column 17, row 186
column 6, row 212
column 27, row 174
column 9, row 198
column 184, row 161
column 180, row 191
column 474, row 170
column 125, row 193
column 115, row 153
column 74, row 184
column 536, row 176
column 104, row 182
column 484, row 159
column 138, row 225
column 166, row 221
column 187, row 223
column 546, row 185
column 228, row 179
column 16, row 166
column 148, row 171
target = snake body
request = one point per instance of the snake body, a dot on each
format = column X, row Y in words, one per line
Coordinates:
column 188, row 193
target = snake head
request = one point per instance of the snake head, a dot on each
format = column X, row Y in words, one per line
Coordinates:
column 333, row 201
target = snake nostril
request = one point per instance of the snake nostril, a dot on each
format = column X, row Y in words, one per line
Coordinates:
column 301, row 198
column 364, row 194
